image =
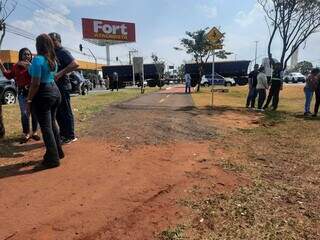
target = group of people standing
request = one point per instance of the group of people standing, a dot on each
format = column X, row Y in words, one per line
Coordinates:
column 260, row 83
column 44, row 94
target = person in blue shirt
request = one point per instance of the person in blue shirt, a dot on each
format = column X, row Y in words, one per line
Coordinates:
column 44, row 99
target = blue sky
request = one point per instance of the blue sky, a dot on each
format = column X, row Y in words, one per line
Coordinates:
column 160, row 24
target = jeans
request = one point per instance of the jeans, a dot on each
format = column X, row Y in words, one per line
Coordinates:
column 262, row 96
column 188, row 88
column 309, row 94
column 65, row 117
column 316, row 106
column 274, row 94
column 251, row 99
column 45, row 105
column 25, row 117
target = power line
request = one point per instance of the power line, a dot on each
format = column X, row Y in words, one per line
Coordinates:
column 56, row 13
column 30, row 36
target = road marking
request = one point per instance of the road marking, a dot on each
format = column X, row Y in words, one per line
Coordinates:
column 168, row 96
column 162, row 100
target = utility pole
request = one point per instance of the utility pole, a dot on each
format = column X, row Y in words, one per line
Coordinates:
column 256, row 53
column 94, row 57
column 131, row 52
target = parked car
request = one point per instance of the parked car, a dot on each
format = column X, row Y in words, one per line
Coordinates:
column 145, row 83
column 8, row 91
column 218, row 80
column 79, row 84
column 294, row 77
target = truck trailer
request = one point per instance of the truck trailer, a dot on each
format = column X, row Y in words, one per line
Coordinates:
column 125, row 75
column 238, row 70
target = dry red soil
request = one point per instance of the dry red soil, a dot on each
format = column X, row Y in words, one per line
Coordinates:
column 117, row 182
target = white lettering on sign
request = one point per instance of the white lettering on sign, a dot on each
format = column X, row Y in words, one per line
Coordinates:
column 109, row 29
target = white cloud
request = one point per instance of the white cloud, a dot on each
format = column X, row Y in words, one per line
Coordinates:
column 78, row 3
column 208, row 11
column 245, row 19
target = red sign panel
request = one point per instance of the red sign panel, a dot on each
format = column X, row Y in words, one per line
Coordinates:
column 95, row 29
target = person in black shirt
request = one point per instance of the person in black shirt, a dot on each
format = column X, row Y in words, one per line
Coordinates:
column 66, row 64
column 276, row 87
column 251, row 99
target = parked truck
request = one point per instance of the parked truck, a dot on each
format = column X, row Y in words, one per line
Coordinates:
column 238, row 70
column 125, row 75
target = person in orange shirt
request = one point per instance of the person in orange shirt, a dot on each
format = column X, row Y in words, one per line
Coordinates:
column 19, row 73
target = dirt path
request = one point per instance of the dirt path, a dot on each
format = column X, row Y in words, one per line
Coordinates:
column 123, row 180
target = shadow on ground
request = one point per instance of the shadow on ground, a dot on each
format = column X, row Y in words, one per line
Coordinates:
column 17, row 169
column 10, row 148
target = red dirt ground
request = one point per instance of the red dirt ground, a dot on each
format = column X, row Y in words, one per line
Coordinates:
column 106, row 191
column 113, row 187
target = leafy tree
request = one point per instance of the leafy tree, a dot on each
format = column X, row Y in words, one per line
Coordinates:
column 293, row 20
column 5, row 12
column 200, row 47
column 304, row 67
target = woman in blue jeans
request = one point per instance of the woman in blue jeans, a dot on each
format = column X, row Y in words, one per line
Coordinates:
column 309, row 89
column 19, row 73
column 44, row 98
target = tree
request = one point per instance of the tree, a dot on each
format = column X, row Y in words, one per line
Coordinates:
column 304, row 67
column 5, row 12
column 294, row 21
column 200, row 47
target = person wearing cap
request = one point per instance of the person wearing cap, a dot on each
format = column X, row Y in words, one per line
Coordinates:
column 66, row 64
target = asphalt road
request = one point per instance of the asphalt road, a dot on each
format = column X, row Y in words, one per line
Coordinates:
column 172, row 98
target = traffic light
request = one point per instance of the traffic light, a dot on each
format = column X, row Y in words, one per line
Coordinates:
column 117, row 59
column 80, row 47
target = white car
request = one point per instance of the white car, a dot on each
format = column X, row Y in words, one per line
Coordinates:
column 294, row 77
column 206, row 80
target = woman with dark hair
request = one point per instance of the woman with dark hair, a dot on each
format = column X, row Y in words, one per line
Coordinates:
column 309, row 89
column 317, row 93
column 22, row 79
column 44, row 98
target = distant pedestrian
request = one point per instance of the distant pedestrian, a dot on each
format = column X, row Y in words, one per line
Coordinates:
column 107, row 82
column 44, row 98
column 19, row 73
column 187, row 79
column 262, row 87
column 115, row 81
column 66, row 64
column 310, row 88
column 317, row 92
column 251, row 99
column 276, row 87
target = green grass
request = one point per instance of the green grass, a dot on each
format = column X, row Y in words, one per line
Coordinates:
column 172, row 234
column 281, row 159
column 83, row 107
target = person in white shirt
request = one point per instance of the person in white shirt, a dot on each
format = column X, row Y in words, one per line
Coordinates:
column 187, row 79
column 262, row 87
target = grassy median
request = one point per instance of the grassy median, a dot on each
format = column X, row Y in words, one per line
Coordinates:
column 83, row 107
column 279, row 156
